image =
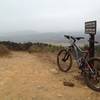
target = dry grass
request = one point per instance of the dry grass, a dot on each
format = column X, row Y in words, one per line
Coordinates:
column 4, row 51
column 44, row 48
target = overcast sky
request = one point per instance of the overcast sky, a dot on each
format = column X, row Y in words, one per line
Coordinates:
column 47, row 15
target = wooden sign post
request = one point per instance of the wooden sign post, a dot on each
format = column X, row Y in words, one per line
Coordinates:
column 90, row 28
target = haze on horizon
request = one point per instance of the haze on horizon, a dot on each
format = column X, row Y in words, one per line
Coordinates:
column 47, row 15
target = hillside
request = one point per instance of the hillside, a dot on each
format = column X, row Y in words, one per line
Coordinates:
column 24, row 36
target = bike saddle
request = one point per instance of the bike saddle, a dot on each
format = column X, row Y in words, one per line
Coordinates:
column 74, row 38
column 78, row 38
column 67, row 36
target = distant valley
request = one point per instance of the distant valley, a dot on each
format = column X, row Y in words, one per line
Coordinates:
column 48, row 37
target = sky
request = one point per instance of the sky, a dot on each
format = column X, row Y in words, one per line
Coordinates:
column 47, row 15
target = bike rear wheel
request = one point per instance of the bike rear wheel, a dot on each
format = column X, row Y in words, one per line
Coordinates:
column 93, row 79
column 64, row 60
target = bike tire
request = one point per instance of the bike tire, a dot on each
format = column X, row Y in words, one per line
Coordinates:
column 68, row 62
column 88, row 76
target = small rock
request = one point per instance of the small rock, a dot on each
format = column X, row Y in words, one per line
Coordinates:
column 54, row 71
column 40, row 87
column 33, row 97
column 85, row 87
column 60, row 95
column 88, row 98
column 65, row 83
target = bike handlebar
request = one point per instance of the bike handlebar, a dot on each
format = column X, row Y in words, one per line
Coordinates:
column 78, row 38
column 74, row 38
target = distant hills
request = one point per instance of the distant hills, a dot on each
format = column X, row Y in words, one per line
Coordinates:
column 49, row 37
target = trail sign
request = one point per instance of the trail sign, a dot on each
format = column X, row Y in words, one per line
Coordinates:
column 90, row 27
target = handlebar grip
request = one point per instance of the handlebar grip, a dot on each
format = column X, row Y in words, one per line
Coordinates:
column 67, row 36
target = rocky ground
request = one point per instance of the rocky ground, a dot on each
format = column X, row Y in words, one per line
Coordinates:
column 25, row 76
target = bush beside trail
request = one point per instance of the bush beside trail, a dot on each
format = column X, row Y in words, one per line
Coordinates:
column 16, row 46
column 31, row 47
column 4, row 51
column 41, row 47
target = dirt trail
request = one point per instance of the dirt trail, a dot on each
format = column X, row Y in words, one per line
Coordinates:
column 25, row 76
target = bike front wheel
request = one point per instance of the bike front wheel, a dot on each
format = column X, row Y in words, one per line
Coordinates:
column 93, row 78
column 64, row 60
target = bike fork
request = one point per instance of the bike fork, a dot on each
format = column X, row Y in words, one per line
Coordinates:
column 65, row 58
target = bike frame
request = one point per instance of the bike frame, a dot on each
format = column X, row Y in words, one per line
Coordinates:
column 78, row 52
column 74, row 48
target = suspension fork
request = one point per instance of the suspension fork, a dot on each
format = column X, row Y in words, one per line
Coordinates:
column 66, row 56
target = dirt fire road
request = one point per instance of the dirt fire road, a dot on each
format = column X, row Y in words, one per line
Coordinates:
column 25, row 76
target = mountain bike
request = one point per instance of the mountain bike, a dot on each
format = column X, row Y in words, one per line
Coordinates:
column 90, row 67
